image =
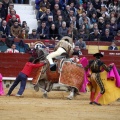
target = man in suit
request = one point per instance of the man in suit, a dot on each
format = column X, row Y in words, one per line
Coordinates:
column 43, row 31
column 4, row 29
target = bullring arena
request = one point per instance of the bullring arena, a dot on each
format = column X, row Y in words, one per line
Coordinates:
column 33, row 107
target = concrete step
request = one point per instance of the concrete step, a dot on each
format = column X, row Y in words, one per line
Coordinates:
column 29, row 12
column 23, row 7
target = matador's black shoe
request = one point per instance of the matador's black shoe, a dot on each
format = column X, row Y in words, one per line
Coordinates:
column 91, row 103
column 96, row 103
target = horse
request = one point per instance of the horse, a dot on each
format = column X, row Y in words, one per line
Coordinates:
column 65, row 73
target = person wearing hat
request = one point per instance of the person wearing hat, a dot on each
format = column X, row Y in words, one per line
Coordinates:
column 34, row 35
column 65, row 45
column 96, row 66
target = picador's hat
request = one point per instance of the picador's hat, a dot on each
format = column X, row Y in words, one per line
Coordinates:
column 68, row 38
column 98, row 55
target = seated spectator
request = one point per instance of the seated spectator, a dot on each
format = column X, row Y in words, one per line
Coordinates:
column 13, row 12
column 59, row 22
column 77, row 49
column 113, row 24
column 107, row 37
column 43, row 31
column 101, row 24
column 23, row 34
column 24, row 25
column 49, row 21
column 53, row 32
column 32, row 50
column 94, row 36
column 3, row 46
column 37, row 4
column 2, row 12
column 11, row 21
column 63, row 30
column 94, row 18
column 15, row 29
column 80, row 10
column 4, row 30
column 107, row 26
column 75, row 57
column 12, row 49
column 81, row 33
column 34, row 35
column 117, row 37
column 113, row 46
column 21, row 46
column 81, row 43
column 95, row 26
column 45, row 2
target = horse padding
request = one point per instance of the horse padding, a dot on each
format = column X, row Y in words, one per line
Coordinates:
column 71, row 75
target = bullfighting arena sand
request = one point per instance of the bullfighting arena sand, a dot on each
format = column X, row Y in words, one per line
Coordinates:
column 33, row 107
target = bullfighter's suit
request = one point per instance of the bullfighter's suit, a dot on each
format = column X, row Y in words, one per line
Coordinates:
column 96, row 67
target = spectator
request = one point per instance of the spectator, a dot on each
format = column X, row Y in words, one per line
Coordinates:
column 15, row 30
column 80, row 10
column 23, row 34
column 59, row 22
column 78, row 50
column 107, row 37
column 91, row 10
column 67, row 10
column 53, row 32
column 12, row 20
column 2, row 12
column 24, row 26
column 37, row 4
column 81, row 43
column 4, row 30
column 45, row 2
column 95, row 36
column 54, row 2
column 5, row 6
column 34, row 35
column 81, row 33
column 113, row 46
column 13, row 12
column 117, row 37
column 72, row 31
column 93, row 19
column 63, row 30
column 12, row 49
column 95, row 26
column 113, row 25
column 11, row 6
column 41, row 14
column 49, row 21
column 58, row 13
column 54, row 11
column 101, row 24
column 43, row 31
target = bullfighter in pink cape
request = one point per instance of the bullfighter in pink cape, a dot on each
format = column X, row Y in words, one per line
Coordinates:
column 1, row 85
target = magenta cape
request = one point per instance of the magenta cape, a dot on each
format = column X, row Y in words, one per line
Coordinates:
column 1, row 86
column 113, row 74
column 84, row 62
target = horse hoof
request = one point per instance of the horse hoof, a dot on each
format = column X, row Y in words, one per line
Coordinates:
column 69, row 97
column 45, row 96
column 36, row 88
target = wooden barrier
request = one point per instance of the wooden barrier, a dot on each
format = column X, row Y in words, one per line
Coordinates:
column 11, row 64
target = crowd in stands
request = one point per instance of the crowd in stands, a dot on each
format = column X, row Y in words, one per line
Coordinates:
column 83, row 20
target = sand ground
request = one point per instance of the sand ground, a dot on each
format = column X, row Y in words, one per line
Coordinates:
column 33, row 107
